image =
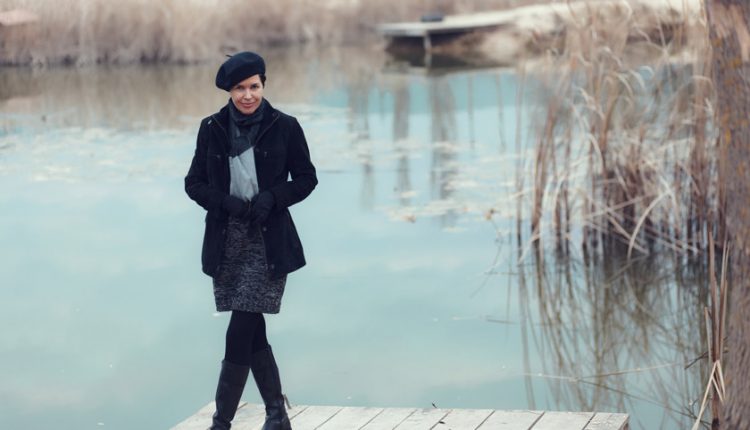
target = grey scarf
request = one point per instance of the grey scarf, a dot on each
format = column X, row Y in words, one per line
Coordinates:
column 244, row 128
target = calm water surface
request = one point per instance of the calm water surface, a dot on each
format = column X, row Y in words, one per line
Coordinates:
column 413, row 295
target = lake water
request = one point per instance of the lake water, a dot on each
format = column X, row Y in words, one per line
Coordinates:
column 415, row 292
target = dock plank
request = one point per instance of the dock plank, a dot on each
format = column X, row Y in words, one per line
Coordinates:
column 511, row 420
column 607, row 421
column 464, row 419
column 351, row 418
column 389, row 419
column 252, row 416
column 423, row 419
column 314, row 416
column 197, row 420
column 563, row 420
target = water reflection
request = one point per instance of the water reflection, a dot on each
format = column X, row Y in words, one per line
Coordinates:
column 615, row 334
column 104, row 151
column 359, row 128
column 444, row 144
column 401, row 115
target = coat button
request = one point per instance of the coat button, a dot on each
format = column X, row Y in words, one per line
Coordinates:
column 263, row 228
column 272, row 266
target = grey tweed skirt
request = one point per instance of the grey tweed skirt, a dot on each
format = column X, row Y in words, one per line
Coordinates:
column 243, row 281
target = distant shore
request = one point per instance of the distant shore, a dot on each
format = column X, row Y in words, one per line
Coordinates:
column 132, row 31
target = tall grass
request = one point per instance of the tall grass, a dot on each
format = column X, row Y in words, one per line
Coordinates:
column 626, row 149
column 626, row 159
column 715, row 316
column 128, row 31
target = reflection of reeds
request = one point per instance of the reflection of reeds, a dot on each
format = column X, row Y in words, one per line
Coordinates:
column 615, row 335
column 128, row 31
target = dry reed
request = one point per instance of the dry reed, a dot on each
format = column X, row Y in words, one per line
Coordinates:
column 715, row 316
column 131, row 31
column 626, row 162
column 626, row 149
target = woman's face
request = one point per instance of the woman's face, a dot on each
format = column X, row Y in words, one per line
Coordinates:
column 247, row 94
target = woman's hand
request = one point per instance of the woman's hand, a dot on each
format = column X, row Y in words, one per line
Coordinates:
column 236, row 207
column 260, row 207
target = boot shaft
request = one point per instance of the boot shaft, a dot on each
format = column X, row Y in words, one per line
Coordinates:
column 228, row 393
column 266, row 374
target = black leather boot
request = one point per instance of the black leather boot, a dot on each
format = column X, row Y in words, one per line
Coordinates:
column 266, row 375
column 228, row 393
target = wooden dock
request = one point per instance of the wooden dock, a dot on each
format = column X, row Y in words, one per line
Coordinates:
column 450, row 25
column 251, row 417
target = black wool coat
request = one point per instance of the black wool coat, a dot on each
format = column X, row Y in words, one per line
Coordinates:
column 280, row 152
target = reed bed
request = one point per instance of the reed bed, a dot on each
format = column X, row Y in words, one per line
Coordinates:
column 625, row 167
column 84, row 32
column 626, row 149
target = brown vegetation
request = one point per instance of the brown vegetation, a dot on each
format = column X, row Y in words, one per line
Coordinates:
column 131, row 31
column 626, row 145
column 627, row 160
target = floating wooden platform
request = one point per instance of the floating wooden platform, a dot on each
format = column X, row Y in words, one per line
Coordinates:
column 450, row 25
column 251, row 417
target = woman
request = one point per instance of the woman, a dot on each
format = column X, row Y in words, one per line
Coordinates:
column 244, row 156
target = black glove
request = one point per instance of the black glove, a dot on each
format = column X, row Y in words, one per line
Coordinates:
column 260, row 207
column 235, row 206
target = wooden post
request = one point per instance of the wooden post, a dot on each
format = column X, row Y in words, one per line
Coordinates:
column 427, row 42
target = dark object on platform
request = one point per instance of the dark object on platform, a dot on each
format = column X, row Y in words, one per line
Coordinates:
column 432, row 17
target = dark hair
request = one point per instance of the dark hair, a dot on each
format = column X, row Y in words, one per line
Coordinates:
column 263, row 79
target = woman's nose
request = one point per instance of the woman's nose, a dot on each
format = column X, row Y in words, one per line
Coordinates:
column 248, row 94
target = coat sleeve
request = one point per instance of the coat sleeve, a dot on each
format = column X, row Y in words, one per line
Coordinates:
column 197, row 186
column 303, row 177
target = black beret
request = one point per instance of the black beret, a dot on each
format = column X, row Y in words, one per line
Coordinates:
column 239, row 67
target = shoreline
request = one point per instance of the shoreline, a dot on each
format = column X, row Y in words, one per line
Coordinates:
column 128, row 33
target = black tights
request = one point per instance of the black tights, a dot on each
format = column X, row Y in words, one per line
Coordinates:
column 246, row 335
